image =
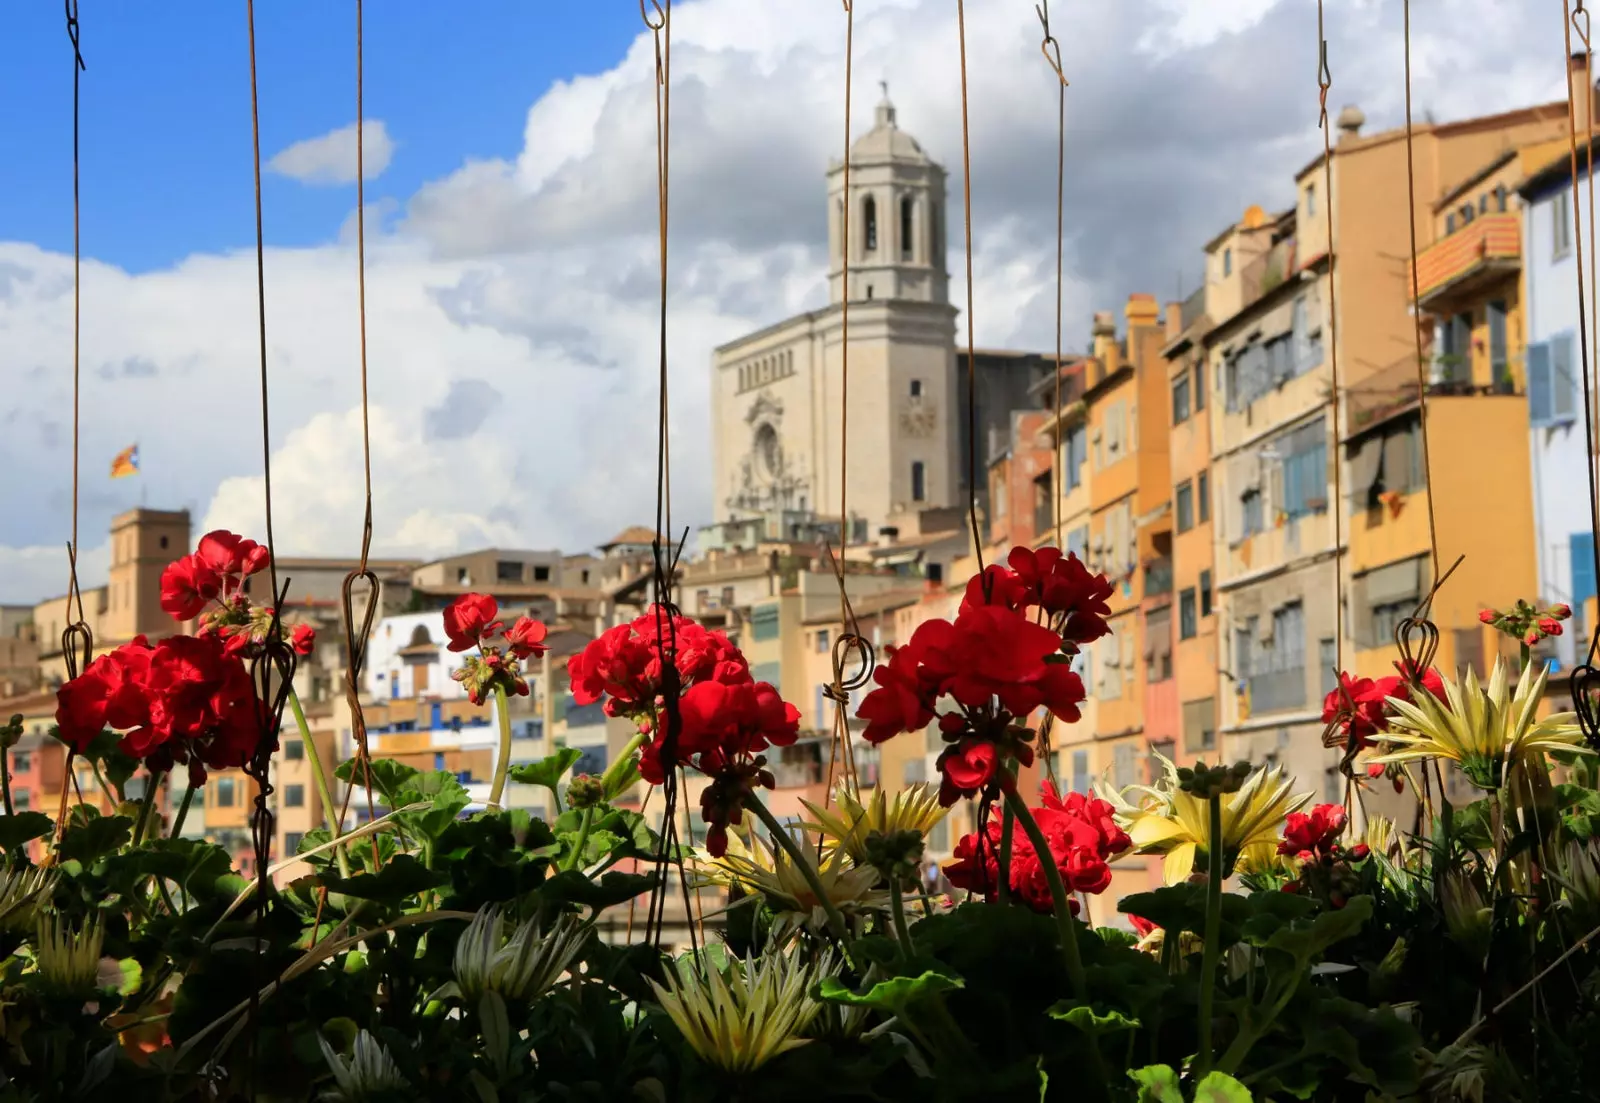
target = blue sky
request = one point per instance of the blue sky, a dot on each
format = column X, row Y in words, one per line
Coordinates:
column 165, row 142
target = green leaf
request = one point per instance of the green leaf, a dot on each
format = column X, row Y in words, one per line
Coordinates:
column 1305, row 942
column 894, row 996
column 196, row 866
column 1091, row 1022
column 1157, row 1084
column 131, row 976
column 1177, row 908
column 635, row 839
column 23, row 828
column 549, row 771
column 1219, row 1087
column 401, row 877
column 92, row 838
column 390, row 778
column 572, row 887
column 496, row 1027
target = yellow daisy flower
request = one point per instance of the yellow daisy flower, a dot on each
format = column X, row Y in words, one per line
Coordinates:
column 774, row 875
column 849, row 823
column 740, row 1017
column 1482, row 729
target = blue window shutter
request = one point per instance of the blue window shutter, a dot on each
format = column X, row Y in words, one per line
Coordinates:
column 1563, row 379
column 1539, row 398
column 1583, row 581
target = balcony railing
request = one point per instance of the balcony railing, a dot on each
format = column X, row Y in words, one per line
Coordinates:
column 1488, row 247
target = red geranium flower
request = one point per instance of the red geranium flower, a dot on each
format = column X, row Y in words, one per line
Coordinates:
column 526, row 637
column 229, row 554
column 965, row 768
column 303, row 639
column 1315, row 833
column 187, row 586
column 468, row 619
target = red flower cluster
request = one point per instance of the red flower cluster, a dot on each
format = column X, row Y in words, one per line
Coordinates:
column 1313, row 838
column 1365, row 715
column 991, row 654
column 1526, row 623
column 1072, row 600
column 623, row 666
column 187, row 699
column 216, row 572
column 1083, row 838
column 726, row 718
column 469, row 623
column 1313, row 834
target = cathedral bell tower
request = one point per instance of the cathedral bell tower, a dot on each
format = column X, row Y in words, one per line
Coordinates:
column 897, row 233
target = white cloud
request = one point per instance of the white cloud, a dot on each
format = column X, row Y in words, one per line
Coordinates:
column 534, row 279
column 331, row 158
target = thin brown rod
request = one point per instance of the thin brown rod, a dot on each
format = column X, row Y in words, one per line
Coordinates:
column 972, row 360
column 73, row 32
column 1052, row 53
column 841, row 700
column 1585, row 310
column 1411, row 216
column 1324, row 84
column 261, row 303
column 361, row 283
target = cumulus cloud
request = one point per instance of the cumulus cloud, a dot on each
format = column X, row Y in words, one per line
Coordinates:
column 512, row 304
column 331, row 158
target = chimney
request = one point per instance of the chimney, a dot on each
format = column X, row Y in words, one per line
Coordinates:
column 1141, row 311
column 887, row 535
column 1580, row 88
column 1174, row 320
column 1350, row 122
column 1105, row 339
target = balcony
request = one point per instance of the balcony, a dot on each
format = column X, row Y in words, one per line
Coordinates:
column 1157, row 577
column 1467, row 262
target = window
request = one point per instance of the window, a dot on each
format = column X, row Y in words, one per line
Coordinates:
column 1250, row 512
column 1227, row 262
column 163, row 543
column 21, row 761
column 727, row 597
column 1289, row 637
column 294, row 796
column 507, row 570
column 935, row 573
column 822, row 641
column 1500, row 198
column 1455, row 348
column 1311, row 200
column 1387, row 617
column 869, row 217
column 764, row 623
column 1199, row 725
column 1561, row 224
column 541, row 574
column 1080, row 772
column 916, row 388
column 1388, row 461
column 1125, row 765
column 1180, row 400
column 293, row 750
column 1183, row 505
column 1205, row 593
column 1158, row 643
column 1199, row 386
column 1073, row 454
column 919, row 487
column 1202, row 491
column 22, row 800
column 906, row 224
column 1188, row 625
column 915, row 770
column 1552, row 381
column 1078, row 542
column 1305, row 470
column 292, row 840
column 1450, row 223
column 462, row 577
column 1165, row 749
column 1328, row 664
column 225, row 786
column 1498, row 367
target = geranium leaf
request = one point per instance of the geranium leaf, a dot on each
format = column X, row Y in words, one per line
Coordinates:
column 894, row 996
column 401, row 877
column 547, row 771
column 1219, row 1087
column 1157, row 1084
column 22, row 828
column 90, row 839
column 389, row 778
column 1090, row 1021
column 613, row 888
column 1305, row 942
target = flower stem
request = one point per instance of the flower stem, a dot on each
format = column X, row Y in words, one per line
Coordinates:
column 183, row 812
column 782, row 838
column 502, row 762
column 620, row 764
column 1007, row 822
column 5, row 777
column 576, row 856
column 324, row 789
column 152, row 782
column 1208, row 965
column 1527, row 657
column 898, row 905
column 1052, row 876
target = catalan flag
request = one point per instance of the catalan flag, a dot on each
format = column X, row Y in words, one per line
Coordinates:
column 126, row 462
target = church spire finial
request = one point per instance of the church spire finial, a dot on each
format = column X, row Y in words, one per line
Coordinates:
column 885, row 107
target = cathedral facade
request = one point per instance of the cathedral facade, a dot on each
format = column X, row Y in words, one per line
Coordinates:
column 780, row 450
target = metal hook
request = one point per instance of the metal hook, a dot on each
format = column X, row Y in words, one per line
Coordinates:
column 72, row 33
column 1583, row 27
column 1050, row 48
column 661, row 15
column 1324, row 80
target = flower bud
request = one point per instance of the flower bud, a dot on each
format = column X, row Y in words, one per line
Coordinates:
column 1550, row 626
column 1561, row 611
column 585, row 791
column 11, row 734
column 896, row 856
column 1532, row 637
column 1358, row 853
column 1488, row 616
